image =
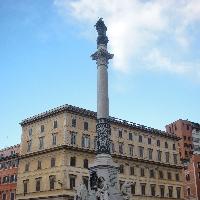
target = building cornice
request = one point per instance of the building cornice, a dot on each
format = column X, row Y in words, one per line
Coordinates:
column 78, row 149
column 93, row 115
column 10, row 147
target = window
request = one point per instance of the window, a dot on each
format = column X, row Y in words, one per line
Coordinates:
column 175, row 158
column 153, row 190
column 55, row 124
column 120, row 184
column 85, row 181
column 150, row 154
column 174, row 146
column 29, row 143
column 53, row 162
column 121, row 169
column 132, row 171
column 198, row 165
column 167, row 157
column 85, row 163
column 133, row 189
column 130, row 136
column 177, row 177
column 162, row 191
column 86, row 126
column 198, row 174
column 25, row 183
column 73, row 138
column 130, row 149
column 95, row 143
column 85, row 141
column 120, row 133
column 187, row 177
column 159, row 154
column 175, row 128
column 54, row 138
column 39, row 165
column 30, row 132
column 140, row 138
column 112, row 147
column 188, row 128
column 143, row 187
column 4, row 196
column 142, row 172
column 178, row 192
column 169, row 175
column 72, row 180
column 26, row 167
column 42, row 128
column 184, row 137
column 188, row 192
column 189, row 138
column 52, row 180
column 149, row 140
column 121, row 148
column 141, row 152
column 161, row 175
column 12, row 178
column 170, row 189
column 166, row 145
column 41, row 142
column 73, row 161
column 12, row 195
column 158, row 143
column 151, row 173
column 73, row 122
column 5, row 179
column 37, row 184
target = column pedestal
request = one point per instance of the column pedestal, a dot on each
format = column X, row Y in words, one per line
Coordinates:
column 105, row 172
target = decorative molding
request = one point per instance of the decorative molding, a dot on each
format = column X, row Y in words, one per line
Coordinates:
column 114, row 155
column 102, row 56
column 93, row 115
column 103, row 136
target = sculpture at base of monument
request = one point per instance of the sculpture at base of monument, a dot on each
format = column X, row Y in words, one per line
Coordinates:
column 81, row 193
column 102, row 189
column 126, row 190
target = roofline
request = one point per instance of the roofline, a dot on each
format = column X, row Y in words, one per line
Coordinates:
column 193, row 124
column 92, row 114
column 10, row 147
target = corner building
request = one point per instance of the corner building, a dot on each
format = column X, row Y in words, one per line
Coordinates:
column 9, row 159
column 189, row 150
column 57, row 146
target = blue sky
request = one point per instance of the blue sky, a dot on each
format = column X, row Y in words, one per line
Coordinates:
column 45, row 49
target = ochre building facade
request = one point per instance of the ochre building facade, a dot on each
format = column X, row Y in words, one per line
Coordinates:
column 57, row 147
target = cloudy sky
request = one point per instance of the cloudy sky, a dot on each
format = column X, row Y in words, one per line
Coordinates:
column 45, row 49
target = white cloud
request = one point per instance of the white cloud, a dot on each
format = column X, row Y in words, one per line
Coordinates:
column 137, row 26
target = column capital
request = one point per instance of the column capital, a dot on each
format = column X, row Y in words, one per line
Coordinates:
column 102, row 56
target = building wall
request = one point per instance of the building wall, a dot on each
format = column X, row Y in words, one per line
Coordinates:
column 183, row 129
column 63, row 150
column 189, row 147
column 196, row 140
column 8, row 172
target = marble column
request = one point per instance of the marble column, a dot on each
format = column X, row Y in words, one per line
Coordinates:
column 103, row 172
